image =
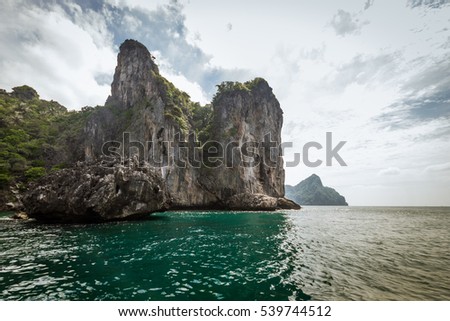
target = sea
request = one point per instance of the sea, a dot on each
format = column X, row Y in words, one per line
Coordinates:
column 316, row 253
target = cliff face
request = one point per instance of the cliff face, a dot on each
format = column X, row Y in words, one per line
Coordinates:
column 150, row 121
column 312, row 192
column 153, row 115
column 249, row 116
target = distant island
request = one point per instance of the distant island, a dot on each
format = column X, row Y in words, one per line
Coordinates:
column 312, row 192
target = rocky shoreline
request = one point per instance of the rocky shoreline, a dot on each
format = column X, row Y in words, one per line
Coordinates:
column 96, row 193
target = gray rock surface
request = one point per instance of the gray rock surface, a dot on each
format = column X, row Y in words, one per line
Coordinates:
column 259, row 202
column 92, row 193
column 248, row 113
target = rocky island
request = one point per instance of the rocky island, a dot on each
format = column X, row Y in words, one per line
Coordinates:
column 312, row 192
column 150, row 148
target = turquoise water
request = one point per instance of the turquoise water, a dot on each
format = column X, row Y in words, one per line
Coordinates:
column 318, row 253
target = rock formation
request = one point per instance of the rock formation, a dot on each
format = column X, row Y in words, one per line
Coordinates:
column 248, row 113
column 312, row 192
column 148, row 119
column 93, row 193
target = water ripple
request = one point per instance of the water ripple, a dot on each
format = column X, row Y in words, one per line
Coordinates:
column 316, row 253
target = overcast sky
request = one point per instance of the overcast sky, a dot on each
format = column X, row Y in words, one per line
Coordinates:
column 375, row 73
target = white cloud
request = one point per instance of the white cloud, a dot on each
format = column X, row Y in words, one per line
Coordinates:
column 132, row 23
column 438, row 168
column 345, row 23
column 389, row 171
column 67, row 51
column 60, row 59
column 140, row 4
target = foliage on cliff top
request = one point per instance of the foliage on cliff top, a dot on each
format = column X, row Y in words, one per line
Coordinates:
column 24, row 92
column 180, row 109
column 228, row 87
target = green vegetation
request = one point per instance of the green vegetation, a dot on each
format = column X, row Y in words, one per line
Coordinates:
column 25, row 93
column 232, row 131
column 57, row 167
column 201, row 121
column 177, row 102
column 179, row 120
column 25, row 127
column 32, row 132
column 253, row 83
column 34, row 173
column 231, row 86
column 236, row 87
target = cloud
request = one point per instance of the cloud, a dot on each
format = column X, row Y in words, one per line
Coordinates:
column 62, row 60
column 428, row 3
column 438, row 168
column 425, row 96
column 67, row 49
column 163, row 29
column 391, row 171
column 344, row 23
column 365, row 69
column 368, row 4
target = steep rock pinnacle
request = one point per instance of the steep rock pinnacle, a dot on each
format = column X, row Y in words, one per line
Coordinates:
column 134, row 75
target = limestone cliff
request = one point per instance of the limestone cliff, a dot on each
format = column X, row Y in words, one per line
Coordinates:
column 245, row 115
column 150, row 121
column 154, row 113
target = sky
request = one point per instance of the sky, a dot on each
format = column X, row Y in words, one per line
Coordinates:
column 374, row 73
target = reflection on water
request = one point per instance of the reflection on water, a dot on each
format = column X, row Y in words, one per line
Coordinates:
column 316, row 253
